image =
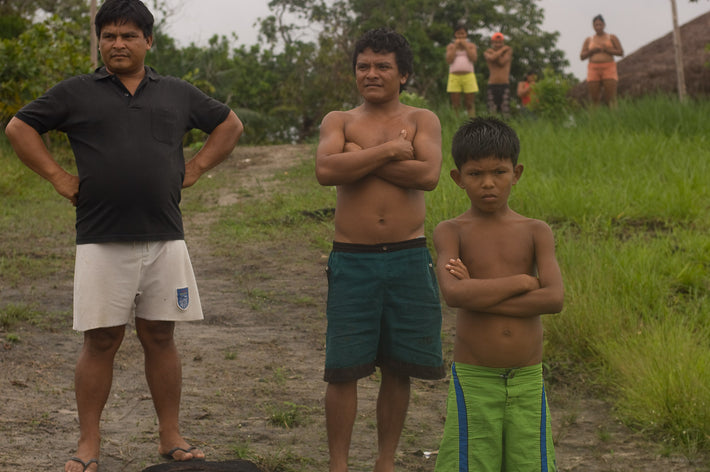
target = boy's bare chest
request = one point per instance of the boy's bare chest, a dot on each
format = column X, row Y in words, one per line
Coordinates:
column 497, row 253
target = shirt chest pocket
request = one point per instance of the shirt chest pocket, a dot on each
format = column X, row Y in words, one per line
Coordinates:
column 163, row 125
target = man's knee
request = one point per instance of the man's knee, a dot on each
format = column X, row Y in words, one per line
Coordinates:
column 391, row 374
column 155, row 333
column 102, row 340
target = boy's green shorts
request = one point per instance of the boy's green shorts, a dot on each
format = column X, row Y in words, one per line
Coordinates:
column 497, row 420
column 383, row 310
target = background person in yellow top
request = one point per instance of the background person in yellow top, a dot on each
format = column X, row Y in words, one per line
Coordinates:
column 499, row 269
column 600, row 49
column 461, row 54
column 498, row 57
column 383, row 301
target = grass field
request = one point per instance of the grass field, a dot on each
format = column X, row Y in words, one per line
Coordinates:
column 627, row 195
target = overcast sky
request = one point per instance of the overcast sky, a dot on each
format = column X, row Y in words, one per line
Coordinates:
column 635, row 22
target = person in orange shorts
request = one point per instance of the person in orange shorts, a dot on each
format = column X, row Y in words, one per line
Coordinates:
column 602, row 77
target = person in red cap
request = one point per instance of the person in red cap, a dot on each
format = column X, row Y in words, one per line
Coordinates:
column 498, row 57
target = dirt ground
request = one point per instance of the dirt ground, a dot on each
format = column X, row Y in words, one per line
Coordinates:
column 260, row 351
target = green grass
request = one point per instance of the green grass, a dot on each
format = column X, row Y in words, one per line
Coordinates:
column 281, row 460
column 288, row 415
column 37, row 225
column 298, row 206
column 627, row 195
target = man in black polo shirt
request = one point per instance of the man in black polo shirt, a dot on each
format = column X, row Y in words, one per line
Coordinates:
column 125, row 124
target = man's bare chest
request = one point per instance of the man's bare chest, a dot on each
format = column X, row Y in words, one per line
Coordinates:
column 372, row 132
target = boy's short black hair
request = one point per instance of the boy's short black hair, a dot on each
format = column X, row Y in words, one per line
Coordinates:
column 122, row 12
column 384, row 40
column 480, row 138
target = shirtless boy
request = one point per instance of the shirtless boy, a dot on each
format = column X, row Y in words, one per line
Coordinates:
column 499, row 58
column 499, row 269
column 383, row 300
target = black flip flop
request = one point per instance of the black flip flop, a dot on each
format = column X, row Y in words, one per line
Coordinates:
column 85, row 464
column 169, row 455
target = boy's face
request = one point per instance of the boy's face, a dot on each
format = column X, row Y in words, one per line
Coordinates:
column 488, row 182
column 377, row 76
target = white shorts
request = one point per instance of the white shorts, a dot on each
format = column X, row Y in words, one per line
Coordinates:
column 151, row 280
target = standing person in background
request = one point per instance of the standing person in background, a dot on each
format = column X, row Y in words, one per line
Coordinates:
column 125, row 124
column 383, row 304
column 499, row 58
column 461, row 54
column 525, row 88
column 600, row 49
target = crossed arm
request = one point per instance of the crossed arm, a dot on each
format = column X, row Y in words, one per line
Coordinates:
column 519, row 295
column 470, row 48
column 402, row 161
column 501, row 56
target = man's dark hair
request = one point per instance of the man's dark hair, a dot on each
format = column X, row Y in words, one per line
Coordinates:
column 480, row 138
column 122, row 12
column 384, row 40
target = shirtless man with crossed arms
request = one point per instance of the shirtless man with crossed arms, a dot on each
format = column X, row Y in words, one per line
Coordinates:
column 383, row 303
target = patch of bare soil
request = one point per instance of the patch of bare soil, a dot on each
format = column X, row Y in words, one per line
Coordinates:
column 260, row 351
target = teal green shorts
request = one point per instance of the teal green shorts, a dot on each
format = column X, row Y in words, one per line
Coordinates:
column 383, row 310
column 497, row 420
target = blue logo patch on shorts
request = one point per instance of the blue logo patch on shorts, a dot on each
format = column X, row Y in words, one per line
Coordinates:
column 183, row 298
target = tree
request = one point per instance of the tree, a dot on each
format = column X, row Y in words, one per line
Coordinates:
column 38, row 58
column 427, row 24
column 41, row 43
column 74, row 10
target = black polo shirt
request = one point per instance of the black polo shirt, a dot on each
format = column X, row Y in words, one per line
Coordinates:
column 128, row 150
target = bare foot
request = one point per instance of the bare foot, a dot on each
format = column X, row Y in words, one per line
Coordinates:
column 383, row 466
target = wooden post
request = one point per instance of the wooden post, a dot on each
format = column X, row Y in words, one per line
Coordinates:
column 92, row 41
column 678, row 49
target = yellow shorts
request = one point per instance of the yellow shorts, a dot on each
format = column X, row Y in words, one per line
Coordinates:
column 465, row 83
column 149, row 280
column 598, row 71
